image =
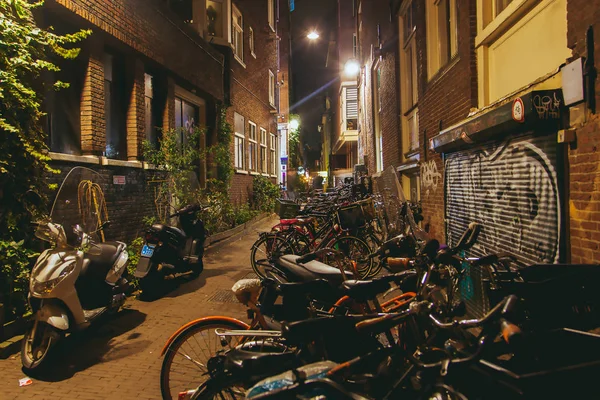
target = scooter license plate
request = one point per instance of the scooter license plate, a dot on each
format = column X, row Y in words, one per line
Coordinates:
column 147, row 251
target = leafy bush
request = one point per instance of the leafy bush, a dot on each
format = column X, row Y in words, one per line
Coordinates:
column 15, row 261
column 133, row 250
column 264, row 194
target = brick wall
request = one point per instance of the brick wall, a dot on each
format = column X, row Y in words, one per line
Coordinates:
column 152, row 30
column 375, row 18
column 249, row 87
column 127, row 204
column 445, row 99
column 584, row 158
column 390, row 121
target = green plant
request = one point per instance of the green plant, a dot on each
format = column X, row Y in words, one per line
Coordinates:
column 175, row 182
column 25, row 53
column 264, row 194
column 133, row 251
column 15, row 267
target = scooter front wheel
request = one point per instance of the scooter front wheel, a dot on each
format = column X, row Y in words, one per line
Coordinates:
column 37, row 345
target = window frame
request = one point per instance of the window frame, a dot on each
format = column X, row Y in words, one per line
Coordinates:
column 263, row 151
column 252, row 150
column 236, row 28
column 239, row 143
column 442, row 34
column 272, row 88
column 251, row 41
column 271, row 14
column 272, row 152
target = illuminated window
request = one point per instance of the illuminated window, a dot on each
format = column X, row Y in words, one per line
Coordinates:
column 237, row 33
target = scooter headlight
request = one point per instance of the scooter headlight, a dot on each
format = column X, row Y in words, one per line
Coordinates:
column 49, row 285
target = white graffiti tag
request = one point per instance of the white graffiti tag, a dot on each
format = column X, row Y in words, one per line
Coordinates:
column 430, row 175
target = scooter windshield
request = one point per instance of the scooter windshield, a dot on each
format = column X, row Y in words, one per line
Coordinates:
column 80, row 201
column 398, row 214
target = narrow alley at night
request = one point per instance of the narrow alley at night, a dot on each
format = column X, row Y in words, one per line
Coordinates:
column 299, row 199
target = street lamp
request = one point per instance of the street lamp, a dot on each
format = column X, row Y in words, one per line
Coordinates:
column 351, row 68
column 294, row 124
column 313, row 35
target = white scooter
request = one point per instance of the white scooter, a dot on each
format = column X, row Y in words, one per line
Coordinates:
column 76, row 280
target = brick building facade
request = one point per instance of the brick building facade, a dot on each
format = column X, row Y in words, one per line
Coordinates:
column 158, row 64
column 378, row 87
column 584, row 157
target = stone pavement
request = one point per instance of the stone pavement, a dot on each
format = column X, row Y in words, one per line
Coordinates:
column 120, row 359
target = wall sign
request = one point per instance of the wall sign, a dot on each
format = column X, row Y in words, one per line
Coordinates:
column 572, row 82
column 118, row 179
column 518, row 110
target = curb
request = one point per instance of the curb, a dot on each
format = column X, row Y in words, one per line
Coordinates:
column 223, row 238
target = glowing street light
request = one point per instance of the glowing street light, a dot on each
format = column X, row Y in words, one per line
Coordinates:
column 294, row 124
column 313, row 35
column 351, row 68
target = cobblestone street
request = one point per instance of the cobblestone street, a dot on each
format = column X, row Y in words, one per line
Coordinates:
column 120, row 358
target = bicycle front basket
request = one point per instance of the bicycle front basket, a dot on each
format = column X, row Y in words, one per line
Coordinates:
column 286, row 209
column 351, row 217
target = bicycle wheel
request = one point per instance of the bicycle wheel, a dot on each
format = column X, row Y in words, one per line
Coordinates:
column 266, row 250
column 356, row 250
column 185, row 364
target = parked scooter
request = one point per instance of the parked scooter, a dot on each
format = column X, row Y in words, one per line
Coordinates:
column 170, row 250
column 76, row 280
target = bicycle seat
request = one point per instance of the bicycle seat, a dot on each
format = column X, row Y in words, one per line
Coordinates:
column 311, row 270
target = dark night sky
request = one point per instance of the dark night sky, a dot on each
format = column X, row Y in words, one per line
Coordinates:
column 308, row 66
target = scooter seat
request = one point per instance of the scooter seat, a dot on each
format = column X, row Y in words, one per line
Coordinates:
column 311, row 270
column 97, row 266
column 177, row 233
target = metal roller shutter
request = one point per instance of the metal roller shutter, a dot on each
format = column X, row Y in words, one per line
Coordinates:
column 512, row 190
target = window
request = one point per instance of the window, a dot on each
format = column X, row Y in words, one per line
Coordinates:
column 441, row 33
column 271, row 88
column 63, row 107
column 271, row 16
column 351, row 108
column 239, row 147
column 214, row 18
column 251, row 41
column 354, row 46
column 408, row 79
column 115, row 107
column 263, row 150
column 500, row 5
column 272, row 153
column 252, row 148
column 237, row 33
column 408, row 57
column 186, row 117
column 377, row 118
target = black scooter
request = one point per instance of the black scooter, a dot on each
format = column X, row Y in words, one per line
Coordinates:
column 169, row 250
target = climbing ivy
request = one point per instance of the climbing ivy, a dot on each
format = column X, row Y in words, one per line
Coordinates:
column 25, row 53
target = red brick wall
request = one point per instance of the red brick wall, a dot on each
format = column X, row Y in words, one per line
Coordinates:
column 93, row 126
column 584, row 158
column 447, row 97
column 376, row 14
column 249, row 88
column 152, row 30
column 390, row 121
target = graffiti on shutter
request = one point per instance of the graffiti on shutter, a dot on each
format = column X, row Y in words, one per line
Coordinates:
column 512, row 190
